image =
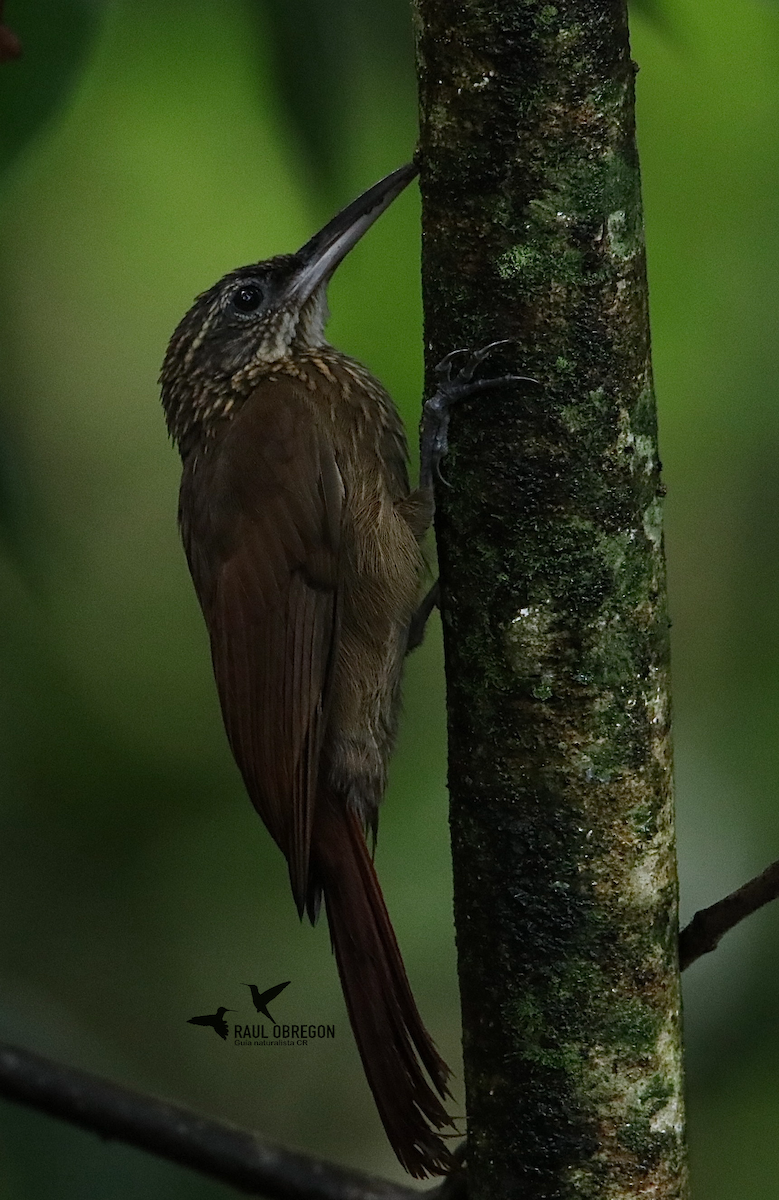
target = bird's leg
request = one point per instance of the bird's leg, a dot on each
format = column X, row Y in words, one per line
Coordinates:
column 418, row 507
column 416, row 629
column 434, row 428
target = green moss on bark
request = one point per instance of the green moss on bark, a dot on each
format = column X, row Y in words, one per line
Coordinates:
column 554, row 604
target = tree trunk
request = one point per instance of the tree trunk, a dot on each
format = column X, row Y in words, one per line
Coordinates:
column 554, row 604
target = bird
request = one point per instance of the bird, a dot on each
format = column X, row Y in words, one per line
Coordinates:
column 215, row 1020
column 262, row 999
column 302, row 534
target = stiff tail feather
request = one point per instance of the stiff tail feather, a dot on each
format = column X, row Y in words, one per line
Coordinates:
column 393, row 1043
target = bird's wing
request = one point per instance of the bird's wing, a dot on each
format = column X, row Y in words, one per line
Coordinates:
column 261, row 522
column 272, row 993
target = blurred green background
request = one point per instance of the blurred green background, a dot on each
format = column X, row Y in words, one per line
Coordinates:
column 145, row 148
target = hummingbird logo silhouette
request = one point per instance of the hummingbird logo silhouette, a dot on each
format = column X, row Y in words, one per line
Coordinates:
column 262, row 999
column 215, row 1020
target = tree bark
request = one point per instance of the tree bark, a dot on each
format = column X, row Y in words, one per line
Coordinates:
column 553, row 604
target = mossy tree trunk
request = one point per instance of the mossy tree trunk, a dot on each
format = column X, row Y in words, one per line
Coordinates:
column 554, row 604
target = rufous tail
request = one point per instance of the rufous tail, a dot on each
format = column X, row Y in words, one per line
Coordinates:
column 393, row 1043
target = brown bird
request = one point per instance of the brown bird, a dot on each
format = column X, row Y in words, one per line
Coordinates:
column 302, row 536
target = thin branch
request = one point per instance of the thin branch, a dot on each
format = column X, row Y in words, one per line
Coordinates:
column 221, row 1151
column 708, row 926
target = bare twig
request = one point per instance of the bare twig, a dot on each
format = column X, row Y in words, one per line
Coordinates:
column 708, row 926
column 221, row 1151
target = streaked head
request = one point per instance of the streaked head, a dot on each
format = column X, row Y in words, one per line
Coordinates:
column 260, row 314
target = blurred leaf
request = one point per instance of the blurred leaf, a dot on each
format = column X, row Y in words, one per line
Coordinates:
column 317, row 51
column 664, row 16
column 55, row 36
column 652, row 9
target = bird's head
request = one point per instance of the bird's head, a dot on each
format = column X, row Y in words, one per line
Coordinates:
column 261, row 314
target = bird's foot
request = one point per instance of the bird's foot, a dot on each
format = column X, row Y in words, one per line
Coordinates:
column 434, row 429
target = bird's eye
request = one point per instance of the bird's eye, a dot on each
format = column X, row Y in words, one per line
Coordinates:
column 247, row 298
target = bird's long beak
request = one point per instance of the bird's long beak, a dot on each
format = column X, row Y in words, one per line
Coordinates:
column 325, row 250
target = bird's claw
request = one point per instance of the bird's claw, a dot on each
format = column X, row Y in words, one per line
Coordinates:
column 435, row 414
column 439, row 473
column 444, row 368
